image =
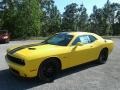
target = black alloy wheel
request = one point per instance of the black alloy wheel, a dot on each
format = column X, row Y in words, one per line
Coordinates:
column 49, row 70
column 103, row 56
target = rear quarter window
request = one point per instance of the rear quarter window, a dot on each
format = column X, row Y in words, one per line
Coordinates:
column 92, row 38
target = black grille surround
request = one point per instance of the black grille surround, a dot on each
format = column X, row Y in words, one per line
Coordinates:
column 15, row 60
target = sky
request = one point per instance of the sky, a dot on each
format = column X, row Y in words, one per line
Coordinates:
column 87, row 3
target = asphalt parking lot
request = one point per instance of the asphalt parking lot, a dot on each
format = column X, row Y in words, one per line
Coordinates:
column 90, row 76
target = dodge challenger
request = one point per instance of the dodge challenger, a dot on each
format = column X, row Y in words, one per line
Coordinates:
column 61, row 51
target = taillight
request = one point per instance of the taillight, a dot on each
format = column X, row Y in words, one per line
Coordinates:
column 5, row 37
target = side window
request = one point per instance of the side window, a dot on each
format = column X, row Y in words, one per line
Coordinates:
column 76, row 41
column 83, row 39
column 92, row 38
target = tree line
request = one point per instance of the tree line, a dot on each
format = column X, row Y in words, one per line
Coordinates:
column 26, row 18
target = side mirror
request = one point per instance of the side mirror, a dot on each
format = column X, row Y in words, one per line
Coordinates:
column 79, row 44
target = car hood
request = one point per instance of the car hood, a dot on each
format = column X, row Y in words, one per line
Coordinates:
column 34, row 51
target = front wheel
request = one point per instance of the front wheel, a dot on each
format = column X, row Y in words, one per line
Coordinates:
column 48, row 71
column 103, row 56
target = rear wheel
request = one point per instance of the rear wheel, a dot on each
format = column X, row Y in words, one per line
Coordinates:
column 103, row 56
column 48, row 70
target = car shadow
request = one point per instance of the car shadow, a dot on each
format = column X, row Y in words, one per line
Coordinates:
column 78, row 68
column 3, row 43
column 10, row 82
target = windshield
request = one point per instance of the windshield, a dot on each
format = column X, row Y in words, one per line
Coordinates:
column 61, row 39
column 3, row 32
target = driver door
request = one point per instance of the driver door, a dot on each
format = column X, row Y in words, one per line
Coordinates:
column 84, row 53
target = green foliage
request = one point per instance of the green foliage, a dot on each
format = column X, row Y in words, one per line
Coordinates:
column 51, row 19
column 75, row 18
column 9, row 16
column 29, row 18
column 82, row 19
column 104, row 20
column 22, row 19
column 70, row 17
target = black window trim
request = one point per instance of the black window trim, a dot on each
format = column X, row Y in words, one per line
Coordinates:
column 94, row 37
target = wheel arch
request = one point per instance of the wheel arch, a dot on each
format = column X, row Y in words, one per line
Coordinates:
column 105, row 49
column 104, row 52
column 52, row 59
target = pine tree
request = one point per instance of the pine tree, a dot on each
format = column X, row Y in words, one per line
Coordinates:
column 28, row 18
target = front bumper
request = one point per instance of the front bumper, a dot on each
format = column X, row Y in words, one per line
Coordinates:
column 22, row 71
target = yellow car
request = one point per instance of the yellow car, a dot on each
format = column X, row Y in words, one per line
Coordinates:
column 61, row 51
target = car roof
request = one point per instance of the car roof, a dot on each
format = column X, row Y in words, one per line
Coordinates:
column 78, row 33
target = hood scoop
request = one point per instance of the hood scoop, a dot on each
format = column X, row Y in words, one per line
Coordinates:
column 32, row 48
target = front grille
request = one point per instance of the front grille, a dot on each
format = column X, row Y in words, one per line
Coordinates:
column 15, row 60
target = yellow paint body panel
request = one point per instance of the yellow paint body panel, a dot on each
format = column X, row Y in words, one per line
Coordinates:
column 68, row 55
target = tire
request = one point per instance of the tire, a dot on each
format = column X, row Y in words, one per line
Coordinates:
column 48, row 70
column 103, row 56
column 6, row 41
